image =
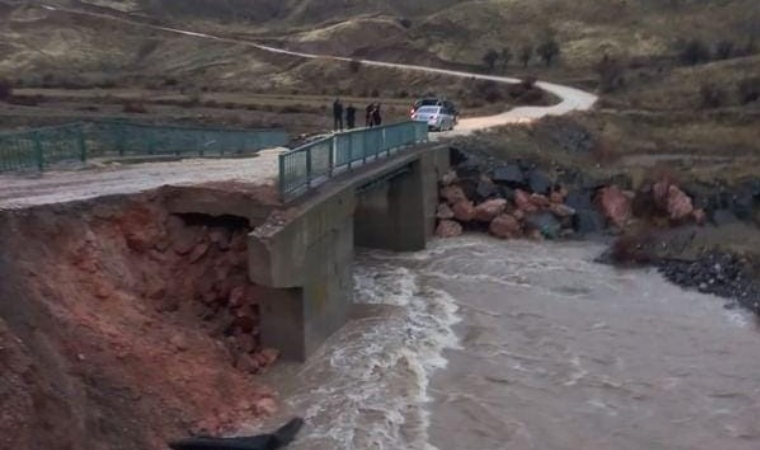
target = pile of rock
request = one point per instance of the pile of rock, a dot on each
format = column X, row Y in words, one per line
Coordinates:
column 512, row 200
column 717, row 273
column 508, row 203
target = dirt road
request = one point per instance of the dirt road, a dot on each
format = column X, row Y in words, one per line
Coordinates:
column 17, row 192
column 54, row 187
column 571, row 99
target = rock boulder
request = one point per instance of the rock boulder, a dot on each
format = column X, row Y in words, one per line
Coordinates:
column 615, row 205
column 505, row 227
column 464, row 211
column 490, row 209
column 448, row 229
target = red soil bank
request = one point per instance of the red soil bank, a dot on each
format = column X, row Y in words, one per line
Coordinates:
column 122, row 326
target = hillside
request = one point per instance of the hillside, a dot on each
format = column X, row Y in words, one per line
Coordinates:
column 44, row 49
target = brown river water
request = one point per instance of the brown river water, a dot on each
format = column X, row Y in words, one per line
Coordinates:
column 482, row 344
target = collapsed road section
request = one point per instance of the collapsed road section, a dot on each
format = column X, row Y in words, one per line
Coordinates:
column 128, row 320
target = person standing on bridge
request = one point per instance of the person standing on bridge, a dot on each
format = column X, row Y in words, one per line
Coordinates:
column 350, row 117
column 377, row 120
column 337, row 115
column 369, row 115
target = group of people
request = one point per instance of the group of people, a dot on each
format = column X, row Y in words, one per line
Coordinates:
column 372, row 115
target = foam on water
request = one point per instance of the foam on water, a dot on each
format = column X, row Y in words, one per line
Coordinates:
column 368, row 386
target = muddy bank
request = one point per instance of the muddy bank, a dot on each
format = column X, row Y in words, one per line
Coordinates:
column 123, row 326
column 699, row 236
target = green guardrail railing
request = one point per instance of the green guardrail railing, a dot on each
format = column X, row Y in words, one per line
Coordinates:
column 309, row 165
column 40, row 148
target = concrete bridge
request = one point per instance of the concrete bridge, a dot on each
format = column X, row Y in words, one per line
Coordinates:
column 332, row 202
column 304, row 253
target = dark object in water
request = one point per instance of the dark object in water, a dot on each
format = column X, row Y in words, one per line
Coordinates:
column 279, row 439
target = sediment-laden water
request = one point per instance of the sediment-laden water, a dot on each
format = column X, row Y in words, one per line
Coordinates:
column 484, row 344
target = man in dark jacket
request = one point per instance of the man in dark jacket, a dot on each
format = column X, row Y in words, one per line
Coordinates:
column 337, row 115
column 377, row 120
column 350, row 117
column 369, row 115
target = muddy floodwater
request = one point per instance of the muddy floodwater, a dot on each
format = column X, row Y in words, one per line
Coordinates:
column 483, row 344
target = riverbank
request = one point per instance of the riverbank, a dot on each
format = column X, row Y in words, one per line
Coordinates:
column 699, row 236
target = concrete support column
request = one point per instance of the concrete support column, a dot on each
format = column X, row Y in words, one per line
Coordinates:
column 399, row 214
column 307, row 264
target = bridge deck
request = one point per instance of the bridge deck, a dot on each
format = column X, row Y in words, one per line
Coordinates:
column 64, row 186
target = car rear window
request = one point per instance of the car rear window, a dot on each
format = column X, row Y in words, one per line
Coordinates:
column 429, row 109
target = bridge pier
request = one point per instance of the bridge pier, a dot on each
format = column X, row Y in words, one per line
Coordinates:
column 305, row 256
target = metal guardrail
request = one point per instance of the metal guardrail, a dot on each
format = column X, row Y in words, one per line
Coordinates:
column 40, row 148
column 309, row 165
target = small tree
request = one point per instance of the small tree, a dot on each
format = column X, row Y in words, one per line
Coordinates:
column 506, row 57
column 694, row 52
column 526, row 54
column 712, row 95
column 490, row 58
column 724, row 49
column 748, row 90
column 548, row 51
column 611, row 74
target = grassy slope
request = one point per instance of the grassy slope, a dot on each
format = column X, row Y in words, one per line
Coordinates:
column 457, row 31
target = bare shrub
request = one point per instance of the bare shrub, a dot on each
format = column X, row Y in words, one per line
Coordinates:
column 528, row 82
column 724, row 49
column 712, row 96
column 633, row 248
column 693, row 52
column 6, row 90
column 134, row 107
column 354, row 66
column 611, row 73
column 748, row 90
column 489, row 58
column 549, row 50
column 488, row 90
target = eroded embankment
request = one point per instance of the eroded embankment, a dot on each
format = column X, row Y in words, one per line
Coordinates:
column 122, row 325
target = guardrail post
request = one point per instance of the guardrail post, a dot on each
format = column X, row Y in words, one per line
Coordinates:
column 308, row 167
column 331, row 159
column 281, row 176
column 385, row 143
column 38, row 151
column 82, row 143
column 365, row 143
